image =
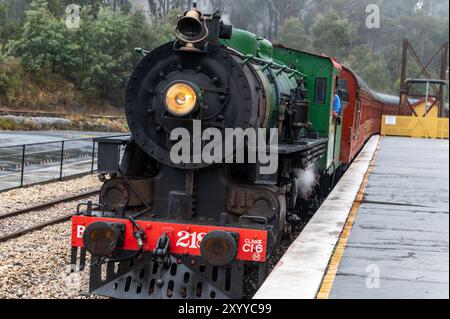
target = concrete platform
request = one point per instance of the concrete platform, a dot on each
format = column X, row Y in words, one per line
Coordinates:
column 383, row 233
column 399, row 244
column 300, row 272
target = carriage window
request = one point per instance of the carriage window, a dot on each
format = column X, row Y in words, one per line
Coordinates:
column 343, row 91
column 321, row 87
column 342, row 85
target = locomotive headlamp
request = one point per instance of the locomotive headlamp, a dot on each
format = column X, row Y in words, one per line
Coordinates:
column 101, row 239
column 182, row 98
column 219, row 248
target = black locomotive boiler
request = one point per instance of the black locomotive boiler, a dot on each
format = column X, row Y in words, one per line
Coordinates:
column 195, row 229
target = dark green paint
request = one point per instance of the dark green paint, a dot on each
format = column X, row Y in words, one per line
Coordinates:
column 310, row 67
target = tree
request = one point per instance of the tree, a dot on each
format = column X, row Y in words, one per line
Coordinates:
column 98, row 57
column 95, row 5
column 292, row 34
column 371, row 68
column 44, row 42
column 10, row 75
column 9, row 27
column 332, row 35
column 56, row 8
column 102, row 52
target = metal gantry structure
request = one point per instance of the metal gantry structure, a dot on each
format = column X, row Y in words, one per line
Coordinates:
column 435, row 87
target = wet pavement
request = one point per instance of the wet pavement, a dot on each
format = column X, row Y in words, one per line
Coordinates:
column 44, row 173
column 399, row 244
column 11, row 138
column 44, row 161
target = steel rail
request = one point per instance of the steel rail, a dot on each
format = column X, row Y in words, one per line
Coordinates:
column 23, row 232
column 51, row 222
column 47, row 205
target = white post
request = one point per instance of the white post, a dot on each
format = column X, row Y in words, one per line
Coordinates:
column 426, row 98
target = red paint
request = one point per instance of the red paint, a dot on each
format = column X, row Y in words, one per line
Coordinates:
column 336, row 64
column 184, row 239
column 362, row 116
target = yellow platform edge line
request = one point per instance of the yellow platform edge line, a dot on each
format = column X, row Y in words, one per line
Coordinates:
column 338, row 253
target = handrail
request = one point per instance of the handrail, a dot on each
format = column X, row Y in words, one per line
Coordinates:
column 19, row 162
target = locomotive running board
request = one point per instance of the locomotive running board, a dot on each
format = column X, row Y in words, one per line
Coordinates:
column 190, row 279
column 305, row 146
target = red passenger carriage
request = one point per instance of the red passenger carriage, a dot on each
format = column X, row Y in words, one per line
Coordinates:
column 363, row 114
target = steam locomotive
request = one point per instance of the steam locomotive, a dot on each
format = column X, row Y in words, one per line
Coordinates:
column 195, row 228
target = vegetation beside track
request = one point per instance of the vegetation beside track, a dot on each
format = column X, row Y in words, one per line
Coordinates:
column 69, row 123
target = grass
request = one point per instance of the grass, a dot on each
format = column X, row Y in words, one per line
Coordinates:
column 8, row 124
column 48, row 92
column 81, row 124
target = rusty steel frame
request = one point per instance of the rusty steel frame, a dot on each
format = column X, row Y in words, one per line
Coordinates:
column 405, row 91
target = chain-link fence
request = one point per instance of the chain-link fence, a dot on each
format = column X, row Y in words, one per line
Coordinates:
column 25, row 165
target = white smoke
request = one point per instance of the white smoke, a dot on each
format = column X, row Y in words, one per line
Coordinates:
column 226, row 18
column 306, row 180
column 206, row 6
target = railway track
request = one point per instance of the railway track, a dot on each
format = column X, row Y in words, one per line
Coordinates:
column 57, row 115
column 41, row 207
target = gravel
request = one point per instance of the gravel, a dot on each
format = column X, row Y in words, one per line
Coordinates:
column 37, row 265
column 21, row 222
column 26, row 197
column 251, row 282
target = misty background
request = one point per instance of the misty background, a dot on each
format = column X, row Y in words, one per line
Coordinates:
column 44, row 64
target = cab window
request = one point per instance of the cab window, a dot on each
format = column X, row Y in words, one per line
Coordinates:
column 321, row 88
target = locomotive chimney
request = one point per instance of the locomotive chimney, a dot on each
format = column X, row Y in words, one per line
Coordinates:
column 195, row 29
column 191, row 29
